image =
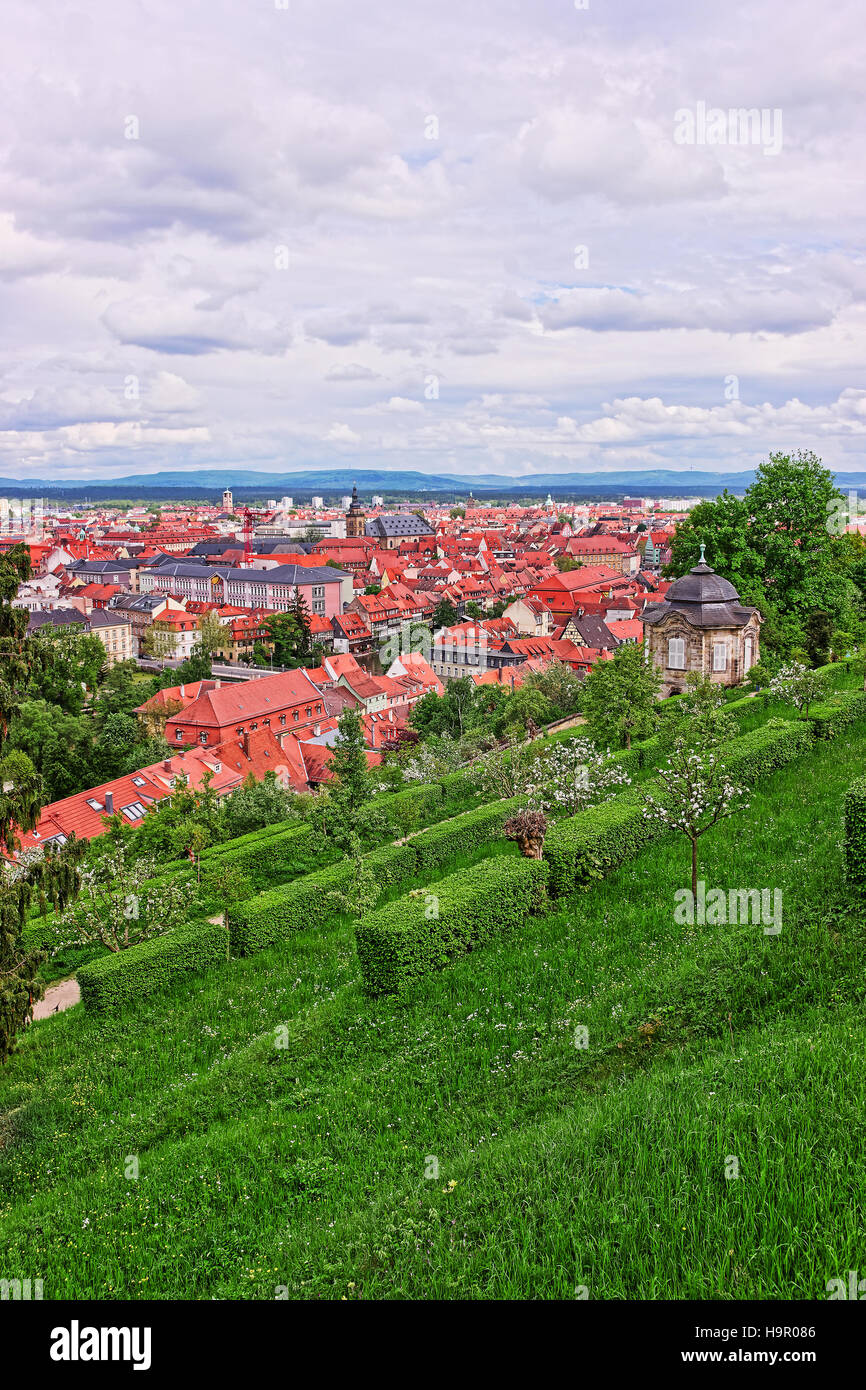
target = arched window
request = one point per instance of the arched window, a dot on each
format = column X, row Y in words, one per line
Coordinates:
column 748, row 653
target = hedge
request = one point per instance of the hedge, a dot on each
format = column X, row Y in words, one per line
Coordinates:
column 443, row 842
column 592, row 843
column 423, row 933
column 115, row 980
column 272, row 916
column 828, row 718
column 855, row 834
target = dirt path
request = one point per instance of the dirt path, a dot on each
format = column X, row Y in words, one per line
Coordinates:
column 57, row 998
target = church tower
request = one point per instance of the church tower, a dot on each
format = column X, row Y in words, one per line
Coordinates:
column 356, row 520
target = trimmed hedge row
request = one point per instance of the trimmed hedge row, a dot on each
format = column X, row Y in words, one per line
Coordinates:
column 592, row 843
column 272, row 916
column 855, row 834
column 420, row 934
column 118, row 979
column 828, row 718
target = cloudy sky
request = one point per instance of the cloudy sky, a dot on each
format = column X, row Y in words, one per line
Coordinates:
column 456, row 237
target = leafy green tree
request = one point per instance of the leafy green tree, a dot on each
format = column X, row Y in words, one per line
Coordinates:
column 779, row 546
column 453, row 713
column 619, row 697
column 566, row 563
column 254, row 805
column 348, row 764
column 818, row 628
column 48, row 873
column 562, row 686
column 696, row 794
column 444, row 614
column 211, row 635
column 159, row 642
column 472, row 610
column 523, row 713
column 289, row 633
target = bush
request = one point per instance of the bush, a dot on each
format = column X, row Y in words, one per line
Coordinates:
column 424, row 932
column 112, row 981
column 593, row 842
column 855, row 834
column 437, row 846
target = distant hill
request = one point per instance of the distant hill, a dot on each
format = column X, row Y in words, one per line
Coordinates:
column 331, row 483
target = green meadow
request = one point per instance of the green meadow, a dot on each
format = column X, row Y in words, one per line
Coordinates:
column 267, row 1130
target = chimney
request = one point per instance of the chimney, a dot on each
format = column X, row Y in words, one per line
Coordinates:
column 217, row 684
column 166, row 762
column 246, row 743
column 182, row 693
column 109, row 803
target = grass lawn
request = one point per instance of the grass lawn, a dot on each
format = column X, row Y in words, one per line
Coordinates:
column 283, row 1124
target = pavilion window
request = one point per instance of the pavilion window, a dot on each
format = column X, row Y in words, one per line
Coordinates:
column 720, row 656
column 677, row 653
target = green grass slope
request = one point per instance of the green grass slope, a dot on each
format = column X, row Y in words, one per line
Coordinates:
column 283, row 1124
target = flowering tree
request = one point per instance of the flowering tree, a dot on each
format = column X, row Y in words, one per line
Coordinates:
column 797, row 684
column 121, row 903
column 573, row 776
column 697, row 794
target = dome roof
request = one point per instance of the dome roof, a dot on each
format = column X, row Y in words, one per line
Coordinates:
column 702, row 585
column 703, row 598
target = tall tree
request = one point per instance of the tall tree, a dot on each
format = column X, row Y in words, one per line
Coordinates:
column 348, row 765
column 48, row 874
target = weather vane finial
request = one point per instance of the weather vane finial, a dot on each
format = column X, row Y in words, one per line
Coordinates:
column 702, row 561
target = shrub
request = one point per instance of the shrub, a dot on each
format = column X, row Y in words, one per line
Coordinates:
column 590, row 844
column 277, row 913
column 424, row 932
column 855, row 834
column 112, row 981
column 528, row 828
column 436, row 847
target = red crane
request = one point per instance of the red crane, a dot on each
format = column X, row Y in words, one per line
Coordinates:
column 248, row 517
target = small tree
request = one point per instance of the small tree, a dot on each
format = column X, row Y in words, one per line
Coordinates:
column 363, row 890
column 121, row 903
column 348, row 764
column 619, row 696
column 798, row 685
column 159, row 642
column 573, row 776
column 697, row 794
column 225, row 885
column 444, row 614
